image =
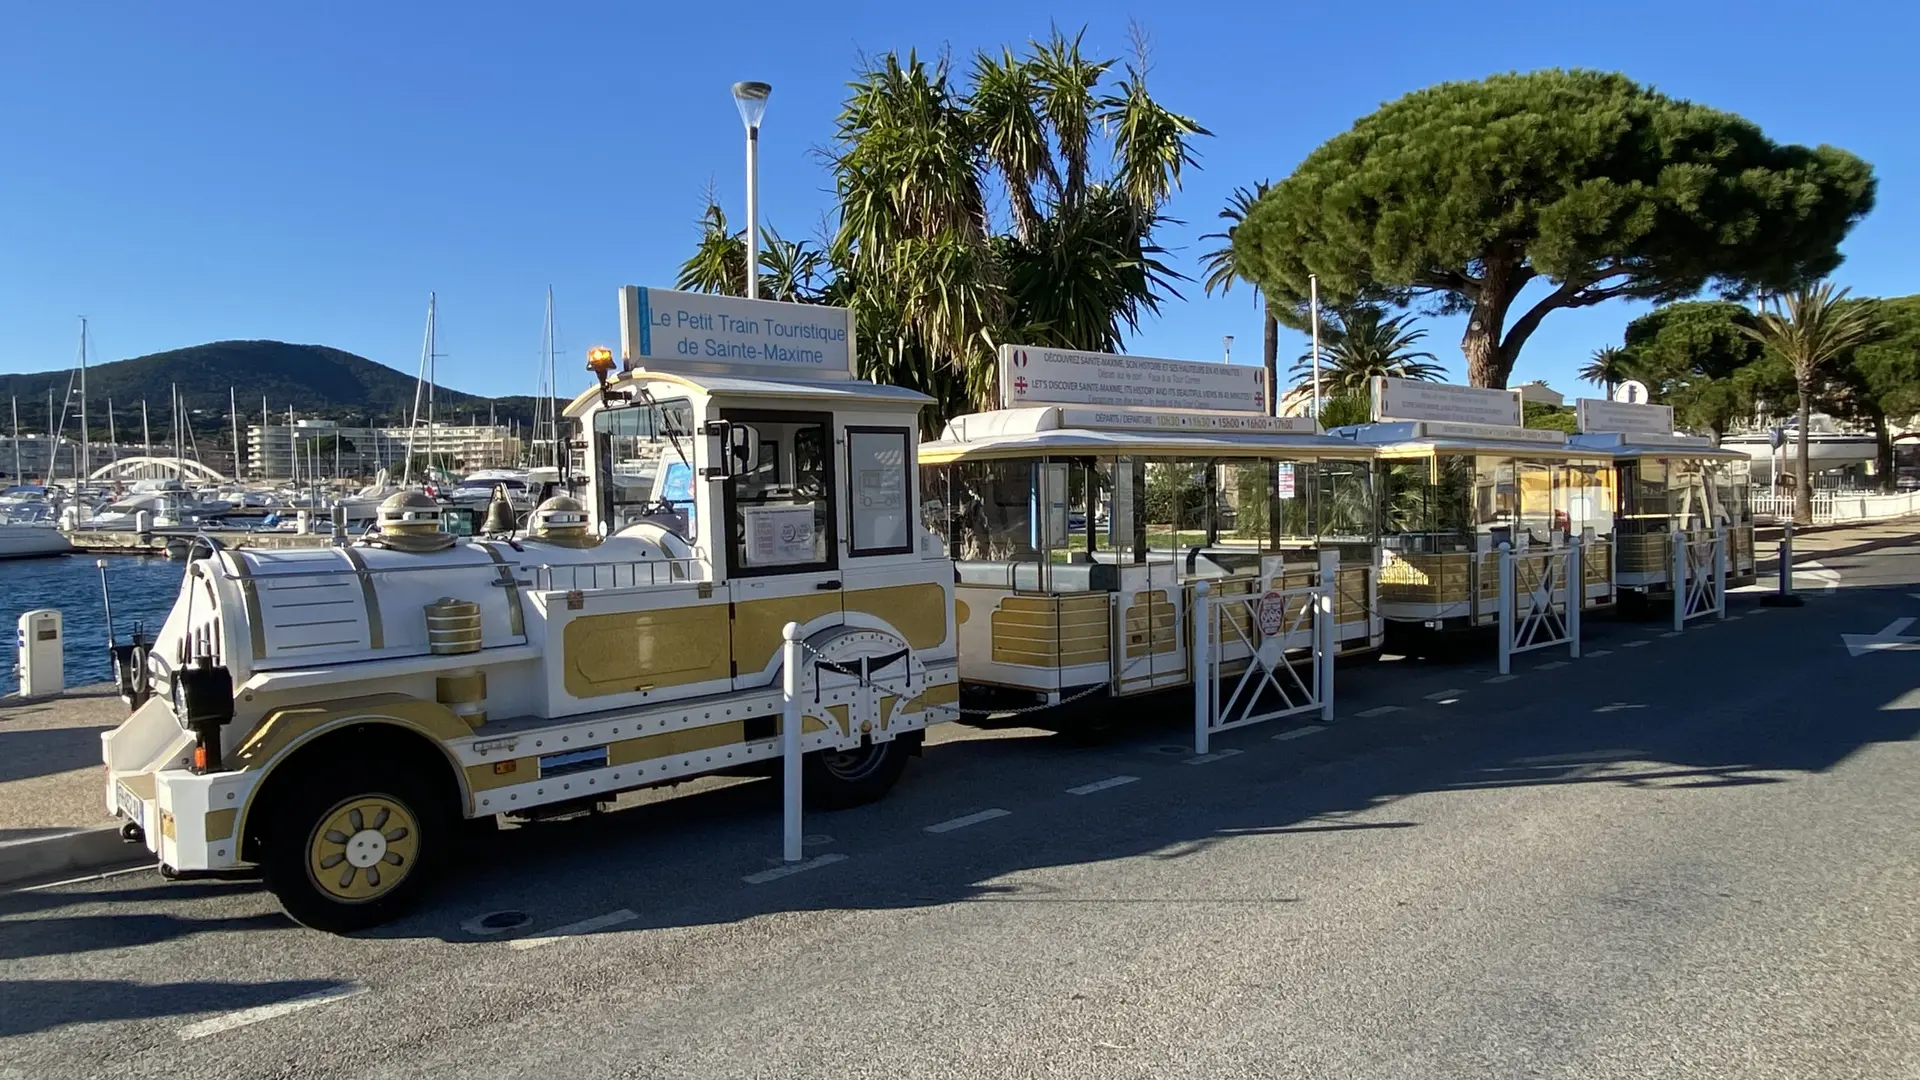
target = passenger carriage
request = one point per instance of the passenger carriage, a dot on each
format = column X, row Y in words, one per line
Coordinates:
column 1668, row 482
column 1458, row 477
column 1078, row 531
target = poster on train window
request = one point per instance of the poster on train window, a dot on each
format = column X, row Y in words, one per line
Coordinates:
column 780, row 535
column 1283, row 486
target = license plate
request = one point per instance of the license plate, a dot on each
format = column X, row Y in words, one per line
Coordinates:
column 132, row 806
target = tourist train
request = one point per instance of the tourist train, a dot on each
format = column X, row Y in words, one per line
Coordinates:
column 329, row 716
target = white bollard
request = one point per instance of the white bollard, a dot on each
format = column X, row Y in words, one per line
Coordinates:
column 1678, row 577
column 1785, row 597
column 1328, row 621
column 1200, row 648
column 1576, row 591
column 1505, row 609
column 42, row 663
column 1720, row 570
column 790, row 660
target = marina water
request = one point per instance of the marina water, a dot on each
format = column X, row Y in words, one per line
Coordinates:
column 143, row 590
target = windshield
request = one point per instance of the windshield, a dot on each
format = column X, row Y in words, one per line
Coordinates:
column 645, row 473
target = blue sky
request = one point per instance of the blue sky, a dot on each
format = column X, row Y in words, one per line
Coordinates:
column 186, row 173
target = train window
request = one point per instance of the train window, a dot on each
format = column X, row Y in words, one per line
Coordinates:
column 879, row 519
column 1344, row 502
column 781, row 515
column 646, row 465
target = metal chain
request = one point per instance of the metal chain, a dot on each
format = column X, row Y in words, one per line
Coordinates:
column 871, row 684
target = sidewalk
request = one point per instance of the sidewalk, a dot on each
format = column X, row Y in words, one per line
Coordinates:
column 53, row 816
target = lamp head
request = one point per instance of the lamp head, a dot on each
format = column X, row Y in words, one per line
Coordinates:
column 751, row 98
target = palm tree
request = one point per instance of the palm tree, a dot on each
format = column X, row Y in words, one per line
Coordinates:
column 1361, row 342
column 793, row 271
column 1608, row 369
column 1811, row 329
column 1223, row 269
column 935, row 280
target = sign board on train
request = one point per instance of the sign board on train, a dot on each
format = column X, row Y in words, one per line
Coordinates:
column 1030, row 375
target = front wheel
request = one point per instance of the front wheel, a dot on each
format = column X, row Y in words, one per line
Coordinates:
column 345, row 853
column 838, row 779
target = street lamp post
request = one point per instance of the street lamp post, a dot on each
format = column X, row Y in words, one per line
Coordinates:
column 1313, row 284
column 751, row 98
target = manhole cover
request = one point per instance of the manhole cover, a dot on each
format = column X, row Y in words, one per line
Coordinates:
column 496, row 922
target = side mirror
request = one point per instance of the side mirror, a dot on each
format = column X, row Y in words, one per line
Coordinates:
column 743, row 448
column 739, row 450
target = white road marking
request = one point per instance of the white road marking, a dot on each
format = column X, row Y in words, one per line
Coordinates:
column 1498, row 679
column 1440, row 695
column 1634, row 644
column 1377, row 710
column 1303, row 732
column 789, row 869
column 1550, row 665
column 1207, row 759
column 1671, row 633
column 1101, row 785
column 243, row 1017
column 1597, row 652
column 584, row 926
column 970, row 819
column 1892, row 637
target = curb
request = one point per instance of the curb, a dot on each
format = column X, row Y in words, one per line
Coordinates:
column 73, row 853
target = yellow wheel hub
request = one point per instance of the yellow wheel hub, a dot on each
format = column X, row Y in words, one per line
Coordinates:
column 363, row 848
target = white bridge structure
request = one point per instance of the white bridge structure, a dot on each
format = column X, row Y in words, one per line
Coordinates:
column 150, row 468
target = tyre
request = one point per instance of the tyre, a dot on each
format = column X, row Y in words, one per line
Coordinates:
column 838, row 779
column 346, row 852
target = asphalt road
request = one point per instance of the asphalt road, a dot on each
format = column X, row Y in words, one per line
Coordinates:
column 1680, row 856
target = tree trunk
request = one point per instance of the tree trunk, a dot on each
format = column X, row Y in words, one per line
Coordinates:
column 1803, row 472
column 1883, row 453
column 1270, row 356
column 1482, row 346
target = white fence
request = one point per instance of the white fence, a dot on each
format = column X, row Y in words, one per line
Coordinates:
column 1835, row 506
column 1699, row 577
column 1285, row 637
column 1541, row 593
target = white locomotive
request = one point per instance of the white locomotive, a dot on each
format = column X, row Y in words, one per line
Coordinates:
column 330, row 715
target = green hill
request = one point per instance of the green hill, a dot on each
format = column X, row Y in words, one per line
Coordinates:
column 314, row 379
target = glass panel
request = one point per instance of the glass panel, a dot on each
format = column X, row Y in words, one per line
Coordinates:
column 936, row 502
column 1645, row 496
column 1534, row 490
column 1293, row 483
column 1495, row 499
column 1244, row 504
column 877, row 491
column 1176, row 505
column 783, row 512
column 1344, row 499
column 646, row 470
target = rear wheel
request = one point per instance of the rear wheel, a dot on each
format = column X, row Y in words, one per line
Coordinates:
column 344, row 853
column 837, row 779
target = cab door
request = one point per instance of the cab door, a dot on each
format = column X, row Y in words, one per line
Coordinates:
column 779, row 537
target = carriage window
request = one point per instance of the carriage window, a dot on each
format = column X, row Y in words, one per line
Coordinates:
column 1176, row 505
column 877, row 509
column 781, row 514
column 1344, row 499
column 1243, row 510
column 646, row 471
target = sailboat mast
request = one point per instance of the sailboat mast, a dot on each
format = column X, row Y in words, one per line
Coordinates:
column 86, row 454
column 433, row 378
column 233, row 410
column 17, row 477
column 419, row 387
column 113, row 437
column 146, row 438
